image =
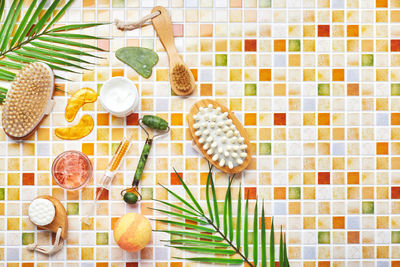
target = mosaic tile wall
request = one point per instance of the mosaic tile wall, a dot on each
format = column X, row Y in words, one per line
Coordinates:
column 316, row 84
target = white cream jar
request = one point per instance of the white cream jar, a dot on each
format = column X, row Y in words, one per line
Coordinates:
column 119, row 96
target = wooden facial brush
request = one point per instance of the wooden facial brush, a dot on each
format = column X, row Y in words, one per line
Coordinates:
column 28, row 101
column 180, row 77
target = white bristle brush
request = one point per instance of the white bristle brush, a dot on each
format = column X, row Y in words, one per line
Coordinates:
column 28, row 100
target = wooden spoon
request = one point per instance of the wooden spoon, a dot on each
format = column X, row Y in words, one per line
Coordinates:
column 180, row 77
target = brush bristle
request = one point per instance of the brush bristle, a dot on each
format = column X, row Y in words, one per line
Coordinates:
column 27, row 99
column 181, row 78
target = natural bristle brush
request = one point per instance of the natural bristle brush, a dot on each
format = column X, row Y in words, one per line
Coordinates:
column 28, row 100
column 132, row 194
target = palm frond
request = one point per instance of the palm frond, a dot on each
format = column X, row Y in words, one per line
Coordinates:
column 202, row 234
column 272, row 245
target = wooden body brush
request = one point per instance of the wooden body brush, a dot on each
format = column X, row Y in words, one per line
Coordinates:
column 180, row 77
column 28, row 101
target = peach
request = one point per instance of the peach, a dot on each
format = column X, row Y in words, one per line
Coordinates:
column 132, row 232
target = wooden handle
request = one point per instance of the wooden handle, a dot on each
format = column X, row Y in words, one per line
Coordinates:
column 60, row 219
column 163, row 26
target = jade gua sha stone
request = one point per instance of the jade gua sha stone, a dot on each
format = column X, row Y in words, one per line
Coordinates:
column 140, row 59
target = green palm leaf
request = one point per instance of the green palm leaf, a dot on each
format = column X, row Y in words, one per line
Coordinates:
column 47, row 58
column 67, row 42
column 180, row 199
column 2, row 5
column 246, row 228
column 9, row 23
column 11, row 65
column 55, row 54
column 35, row 16
column 209, row 239
column 255, row 234
column 59, row 14
column 215, row 201
column 272, row 245
column 23, row 22
column 76, row 27
column 3, row 93
column 74, row 36
column 62, row 49
column 281, row 251
column 176, row 207
column 39, row 25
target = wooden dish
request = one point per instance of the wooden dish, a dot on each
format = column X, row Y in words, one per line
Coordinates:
column 60, row 218
column 204, row 103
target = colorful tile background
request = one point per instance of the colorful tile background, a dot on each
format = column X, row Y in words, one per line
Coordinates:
column 316, row 84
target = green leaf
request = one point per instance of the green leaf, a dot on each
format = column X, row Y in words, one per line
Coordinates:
column 42, row 21
column 181, row 199
column 239, row 218
column 192, row 234
column 272, row 245
column 35, row 16
column 3, row 90
column 263, row 239
column 215, row 201
column 59, row 14
column 285, row 257
column 196, row 242
column 67, row 42
column 189, row 193
column 62, row 49
column 23, row 22
column 213, row 260
column 177, row 207
column 246, row 228
column 2, row 4
column 9, row 23
column 140, row 59
column 54, row 54
column 30, row 60
column 187, row 225
column 7, row 73
column 209, row 177
column 255, row 235
column 76, row 27
column 11, row 65
column 181, row 215
column 74, row 36
column 281, row 252
column 205, row 250
column 47, row 58
column 230, row 216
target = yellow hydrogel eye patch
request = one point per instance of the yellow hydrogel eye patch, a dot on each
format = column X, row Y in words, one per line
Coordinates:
column 78, row 99
column 83, row 128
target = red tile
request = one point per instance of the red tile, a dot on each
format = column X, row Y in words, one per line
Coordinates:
column 250, row 45
column 251, row 192
column 175, row 179
column 395, row 192
column 104, row 194
column 132, row 264
column 279, row 118
column 323, row 31
column 395, row 45
column 324, row 178
column 132, row 119
column 28, row 179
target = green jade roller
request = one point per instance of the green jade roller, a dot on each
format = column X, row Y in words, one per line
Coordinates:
column 131, row 194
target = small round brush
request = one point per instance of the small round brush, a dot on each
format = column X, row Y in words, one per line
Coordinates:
column 27, row 100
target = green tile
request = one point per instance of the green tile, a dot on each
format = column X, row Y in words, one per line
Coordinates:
column 101, row 238
column 395, row 88
column 118, row 3
column 324, row 237
column 265, row 149
column 73, row 208
column 250, row 89
column 28, row 238
column 294, row 45
column 323, row 89
column 221, row 60
column 148, row 43
column 147, row 193
column 368, row 207
column 367, row 60
column 395, row 236
column 2, row 194
column 294, row 193
column 265, row 3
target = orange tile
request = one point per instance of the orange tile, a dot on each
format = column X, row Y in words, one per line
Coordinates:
column 353, row 178
column 353, row 89
column 279, row 45
column 279, row 118
column 176, row 119
column 117, row 72
column 324, row 119
column 352, row 30
column 382, row 148
column 338, row 222
column 28, row 179
column 265, row 75
column 353, row 237
column 175, row 179
column 195, row 74
column 206, row 89
column 206, row 30
column 250, row 119
column 395, row 119
column 381, row 3
column 103, row 119
column 279, row 193
column 338, row 74
column 250, row 192
column 88, row 149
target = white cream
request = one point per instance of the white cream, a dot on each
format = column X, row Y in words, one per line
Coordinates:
column 219, row 137
column 119, row 96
